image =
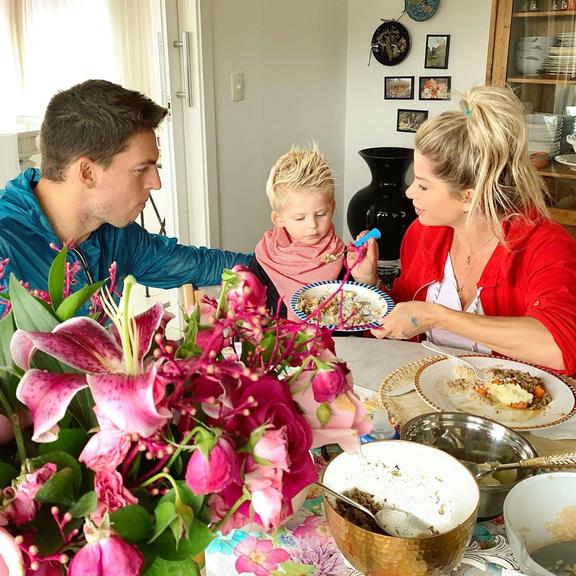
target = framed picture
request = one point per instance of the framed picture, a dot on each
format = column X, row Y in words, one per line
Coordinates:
column 399, row 87
column 434, row 88
column 410, row 120
column 437, row 50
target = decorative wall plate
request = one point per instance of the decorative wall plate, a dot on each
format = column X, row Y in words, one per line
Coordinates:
column 421, row 10
column 390, row 43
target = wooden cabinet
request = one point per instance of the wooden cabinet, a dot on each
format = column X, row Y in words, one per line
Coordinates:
column 533, row 50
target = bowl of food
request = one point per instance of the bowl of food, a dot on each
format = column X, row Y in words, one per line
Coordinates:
column 540, row 521
column 420, row 480
column 351, row 307
column 475, row 439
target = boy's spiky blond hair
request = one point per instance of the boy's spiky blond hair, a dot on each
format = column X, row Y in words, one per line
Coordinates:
column 301, row 168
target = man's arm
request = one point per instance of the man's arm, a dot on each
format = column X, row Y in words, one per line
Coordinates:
column 161, row 262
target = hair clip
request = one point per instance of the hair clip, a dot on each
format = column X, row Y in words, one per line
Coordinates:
column 467, row 111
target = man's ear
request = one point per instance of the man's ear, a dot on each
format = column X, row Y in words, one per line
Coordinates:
column 276, row 219
column 86, row 171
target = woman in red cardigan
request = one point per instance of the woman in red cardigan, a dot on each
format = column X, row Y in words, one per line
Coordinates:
column 484, row 268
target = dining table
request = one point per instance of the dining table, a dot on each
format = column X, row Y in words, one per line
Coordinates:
column 303, row 546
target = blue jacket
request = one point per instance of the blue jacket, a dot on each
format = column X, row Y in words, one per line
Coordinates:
column 154, row 260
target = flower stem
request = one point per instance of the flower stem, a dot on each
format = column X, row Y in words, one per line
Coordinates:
column 15, row 420
column 235, row 506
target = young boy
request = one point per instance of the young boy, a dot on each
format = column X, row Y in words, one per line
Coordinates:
column 303, row 246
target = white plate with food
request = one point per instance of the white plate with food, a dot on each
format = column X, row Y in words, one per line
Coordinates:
column 354, row 308
column 515, row 394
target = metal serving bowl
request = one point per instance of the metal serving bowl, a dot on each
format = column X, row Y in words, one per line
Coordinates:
column 475, row 439
column 416, row 478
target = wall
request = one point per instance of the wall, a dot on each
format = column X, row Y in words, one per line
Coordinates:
column 305, row 65
column 293, row 55
column 371, row 120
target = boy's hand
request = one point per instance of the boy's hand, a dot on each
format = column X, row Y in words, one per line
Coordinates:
column 367, row 270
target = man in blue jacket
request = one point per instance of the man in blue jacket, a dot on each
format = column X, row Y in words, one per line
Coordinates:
column 99, row 163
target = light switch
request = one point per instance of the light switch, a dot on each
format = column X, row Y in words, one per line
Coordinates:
column 237, row 86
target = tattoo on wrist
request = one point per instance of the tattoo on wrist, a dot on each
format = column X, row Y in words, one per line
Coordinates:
column 414, row 321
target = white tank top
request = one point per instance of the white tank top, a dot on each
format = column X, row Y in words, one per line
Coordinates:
column 446, row 294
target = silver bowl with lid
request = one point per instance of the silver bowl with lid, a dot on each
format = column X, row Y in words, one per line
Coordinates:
column 476, row 439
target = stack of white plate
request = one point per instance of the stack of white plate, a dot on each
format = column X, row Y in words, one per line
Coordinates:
column 532, row 53
column 544, row 133
column 561, row 59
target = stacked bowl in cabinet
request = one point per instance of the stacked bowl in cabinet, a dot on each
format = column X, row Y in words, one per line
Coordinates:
column 532, row 54
column 544, row 133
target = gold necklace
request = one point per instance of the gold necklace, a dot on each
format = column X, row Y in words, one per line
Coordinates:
column 467, row 264
column 468, row 259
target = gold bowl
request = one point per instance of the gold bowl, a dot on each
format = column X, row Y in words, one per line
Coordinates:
column 414, row 477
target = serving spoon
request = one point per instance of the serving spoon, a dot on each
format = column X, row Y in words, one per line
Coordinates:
column 560, row 460
column 478, row 374
column 394, row 522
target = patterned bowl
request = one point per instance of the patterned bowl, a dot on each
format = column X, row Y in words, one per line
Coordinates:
column 419, row 479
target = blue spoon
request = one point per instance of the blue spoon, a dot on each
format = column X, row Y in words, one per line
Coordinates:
column 374, row 233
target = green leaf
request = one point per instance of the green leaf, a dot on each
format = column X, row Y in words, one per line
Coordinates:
column 323, row 413
column 162, row 567
column 5, row 295
column 56, row 277
column 165, row 513
column 188, row 497
column 58, row 489
column 195, row 542
column 7, row 329
column 7, row 474
column 62, row 461
column 76, row 300
column 70, row 440
column 30, row 313
column 82, row 408
column 133, row 523
column 85, row 505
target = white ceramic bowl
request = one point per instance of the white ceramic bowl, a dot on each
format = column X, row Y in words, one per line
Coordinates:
column 571, row 139
column 537, row 513
column 431, row 484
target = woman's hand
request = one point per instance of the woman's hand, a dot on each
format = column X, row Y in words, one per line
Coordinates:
column 407, row 319
column 367, row 270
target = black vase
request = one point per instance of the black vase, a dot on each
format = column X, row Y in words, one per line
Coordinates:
column 382, row 204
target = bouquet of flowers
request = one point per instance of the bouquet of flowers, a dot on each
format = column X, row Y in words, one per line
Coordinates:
column 123, row 452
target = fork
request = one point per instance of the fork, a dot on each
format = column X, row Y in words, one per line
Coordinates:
column 478, row 374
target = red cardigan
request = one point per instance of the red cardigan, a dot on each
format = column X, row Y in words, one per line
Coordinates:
column 535, row 275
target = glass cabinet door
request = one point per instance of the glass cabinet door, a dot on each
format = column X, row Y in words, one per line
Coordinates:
column 540, row 66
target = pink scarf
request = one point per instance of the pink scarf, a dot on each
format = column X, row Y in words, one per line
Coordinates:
column 291, row 265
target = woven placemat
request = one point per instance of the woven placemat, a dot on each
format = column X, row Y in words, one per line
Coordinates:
column 408, row 406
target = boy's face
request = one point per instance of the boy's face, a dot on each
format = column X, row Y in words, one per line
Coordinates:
column 123, row 188
column 307, row 216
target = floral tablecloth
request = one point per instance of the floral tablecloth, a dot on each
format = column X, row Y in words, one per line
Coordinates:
column 304, row 547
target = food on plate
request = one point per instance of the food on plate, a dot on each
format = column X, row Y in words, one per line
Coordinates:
column 505, row 387
column 348, row 308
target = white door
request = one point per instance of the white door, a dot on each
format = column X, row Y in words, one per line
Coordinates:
column 186, row 138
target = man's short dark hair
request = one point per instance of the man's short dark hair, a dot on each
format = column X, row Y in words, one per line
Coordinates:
column 94, row 119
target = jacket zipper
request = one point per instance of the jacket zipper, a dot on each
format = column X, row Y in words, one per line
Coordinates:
column 84, row 265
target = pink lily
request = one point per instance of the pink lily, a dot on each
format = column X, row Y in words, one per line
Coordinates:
column 112, row 362
column 11, row 561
